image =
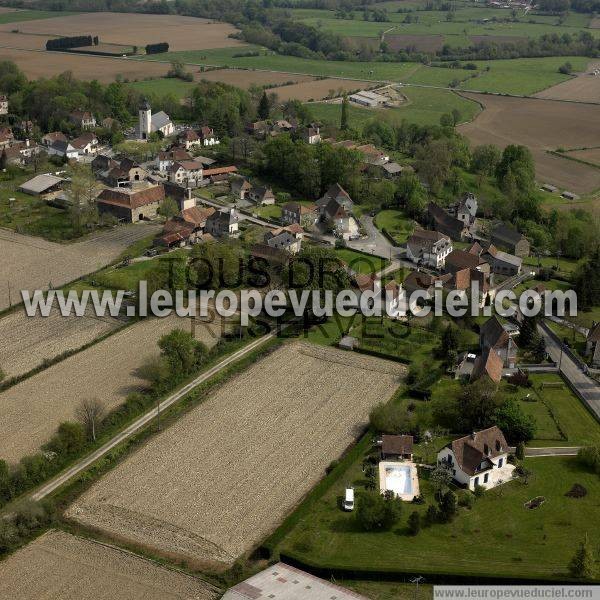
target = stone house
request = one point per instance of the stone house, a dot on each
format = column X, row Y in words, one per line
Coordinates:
column 131, row 204
column 493, row 335
column 511, row 240
column 302, row 214
column 83, row 119
column 261, row 195
column 429, row 248
column 223, row 223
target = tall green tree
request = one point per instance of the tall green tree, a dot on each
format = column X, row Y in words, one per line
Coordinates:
column 344, row 118
column 583, row 565
column 264, row 107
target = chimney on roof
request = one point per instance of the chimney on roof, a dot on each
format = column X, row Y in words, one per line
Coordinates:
column 473, row 435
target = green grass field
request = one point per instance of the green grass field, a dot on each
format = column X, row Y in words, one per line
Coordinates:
column 396, row 223
column 521, row 76
column 359, row 262
column 425, row 107
column 515, row 542
column 31, row 15
column 518, row 76
column 161, row 87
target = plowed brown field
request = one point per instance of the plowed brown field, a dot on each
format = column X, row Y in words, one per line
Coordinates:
column 584, row 88
column 62, row 566
column 182, row 33
column 541, row 125
column 28, row 341
column 222, row 477
column 318, row 89
column 30, row 263
column 47, row 64
column 32, row 410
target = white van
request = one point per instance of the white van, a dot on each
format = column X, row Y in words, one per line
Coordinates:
column 349, row 499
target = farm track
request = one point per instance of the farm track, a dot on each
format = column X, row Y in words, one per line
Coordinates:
column 137, row 425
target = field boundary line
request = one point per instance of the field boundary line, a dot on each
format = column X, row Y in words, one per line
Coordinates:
column 146, row 418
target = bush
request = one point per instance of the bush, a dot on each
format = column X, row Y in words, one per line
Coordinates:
column 432, row 515
column 376, row 512
column 448, row 506
column 577, row 491
column 157, row 48
column 479, row 491
column 466, row 499
column 589, row 457
column 414, row 523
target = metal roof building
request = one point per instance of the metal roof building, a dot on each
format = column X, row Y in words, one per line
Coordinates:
column 42, row 185
column 282, row 582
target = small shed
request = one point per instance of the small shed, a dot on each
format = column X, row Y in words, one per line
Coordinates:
column 570, row 195
column 547, row 187
column 397, row 447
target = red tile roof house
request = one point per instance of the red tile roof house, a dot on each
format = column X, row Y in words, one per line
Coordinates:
column 494, row 336
column 131, row 205
column 488, row 365
column 478, row 459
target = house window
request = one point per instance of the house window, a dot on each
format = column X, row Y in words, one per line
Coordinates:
column 476, row 480
column 500, row 463
column 486, row 477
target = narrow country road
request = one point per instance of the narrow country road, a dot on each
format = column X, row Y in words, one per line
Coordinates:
column 587, row 387
column 137, row 425
column 555, row 451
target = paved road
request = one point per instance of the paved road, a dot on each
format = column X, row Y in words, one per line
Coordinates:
column 587, row 387
column 137, row 425
column 555, row 451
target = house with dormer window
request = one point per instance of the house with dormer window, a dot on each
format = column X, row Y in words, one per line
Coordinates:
column 478, row 459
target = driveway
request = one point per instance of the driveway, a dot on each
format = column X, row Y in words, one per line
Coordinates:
column 588, row 389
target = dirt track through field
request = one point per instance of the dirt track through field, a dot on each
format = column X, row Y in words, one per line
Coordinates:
column 541, row 125
column 181, row 33
column 33, row 409
column 61, row 566
column 224, row 476
column 30, row 263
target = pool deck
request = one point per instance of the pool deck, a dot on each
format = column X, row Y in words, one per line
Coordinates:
column 413, row 475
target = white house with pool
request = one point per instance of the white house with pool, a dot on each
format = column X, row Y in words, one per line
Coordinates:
column 480, row 458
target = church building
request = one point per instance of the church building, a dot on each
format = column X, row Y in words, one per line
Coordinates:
column 149, row 123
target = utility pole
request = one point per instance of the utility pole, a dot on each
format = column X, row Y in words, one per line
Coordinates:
column 417, row 580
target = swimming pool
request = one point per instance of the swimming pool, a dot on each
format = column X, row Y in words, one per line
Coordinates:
column 400, row 478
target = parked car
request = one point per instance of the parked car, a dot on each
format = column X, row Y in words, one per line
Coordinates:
column 151, row 252
column 349, row 499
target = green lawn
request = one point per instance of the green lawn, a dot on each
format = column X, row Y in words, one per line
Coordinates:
column 127, row 278
column 161, row 87
column 578, row 424
column 388, row 590
column 396, row 223
column 31, row 15
column 359, row 262
column 515, row 542
column 268, row 212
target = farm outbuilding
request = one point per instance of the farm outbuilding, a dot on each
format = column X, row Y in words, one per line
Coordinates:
column 43, row 186
column 366, row 98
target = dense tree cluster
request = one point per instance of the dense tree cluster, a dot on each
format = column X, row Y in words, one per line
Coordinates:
column 64, row 43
